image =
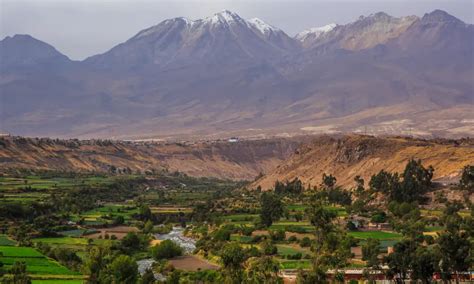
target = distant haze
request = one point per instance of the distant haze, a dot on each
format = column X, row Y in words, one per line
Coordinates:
column 80, row 29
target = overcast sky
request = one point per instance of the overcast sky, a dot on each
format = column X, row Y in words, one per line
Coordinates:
column 83, row 28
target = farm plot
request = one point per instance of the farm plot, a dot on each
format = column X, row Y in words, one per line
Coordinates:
column 43, row 183
column 62, row 241
column 22, row 197
column 37, row 263
column 287, row 250
column 304, row 227
column 301, row 208
column 296, row 207
column 380, row 235
column 295, row 264
column 57, row 281
column 170, row 209
column 106, row 214
column 240, row 238
column 6, row 241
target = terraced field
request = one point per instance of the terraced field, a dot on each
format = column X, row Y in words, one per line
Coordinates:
column 37, row 265
column 39, row 183
column 57, row 281
column 6, row 241
column 105, row 214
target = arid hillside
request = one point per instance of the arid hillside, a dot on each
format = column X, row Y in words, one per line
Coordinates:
column 240, row 160
column 348, row 156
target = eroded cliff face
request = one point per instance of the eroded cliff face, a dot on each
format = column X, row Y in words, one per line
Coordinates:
column 348, row 156
column 279, row 159
column 241, row 160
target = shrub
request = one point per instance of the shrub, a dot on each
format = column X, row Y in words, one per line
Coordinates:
column 305, row 242
column 257, row 238
column 253, row 252
column 351, row 226
column 295, row 256
column 379, row 217
column 278, row 235
column 268, row 248
column 222, row 234
column 295, row 229
column 166, row 249
column 247, row 231
column 292, row 239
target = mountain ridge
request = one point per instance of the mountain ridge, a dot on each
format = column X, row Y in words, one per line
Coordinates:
column 223, row 77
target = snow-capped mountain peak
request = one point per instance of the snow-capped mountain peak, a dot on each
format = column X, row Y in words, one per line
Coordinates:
column 262, row 26
column 316, row 32
column 224, row 16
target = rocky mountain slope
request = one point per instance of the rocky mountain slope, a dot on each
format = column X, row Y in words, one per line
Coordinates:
column 225, row 75
column 364, row 33
column 348, row 156
column 24, row 51
column 223, row 38
column 241, row 160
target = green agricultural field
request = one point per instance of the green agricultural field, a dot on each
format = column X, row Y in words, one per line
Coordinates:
column 75, row 243
column 62, row 241
column 284, row 250
column 43, row 183
column 295, row 264
column 438, row 213
column 296, row 207
column 301, row 208
column 10, row 251
column 36, row 263
column 106, row 214
column 30, row 261
column 282, row 225
column 240, row 217
column 434, row 229
column 22, row 197
column 380, row 235
column 341, row 212
column 240, row 238
column 57, row 281
column 5, row 241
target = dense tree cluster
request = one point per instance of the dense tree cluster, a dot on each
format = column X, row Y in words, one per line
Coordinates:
column 410, row 186
column 271, row 208
column 293, row 187
column 467, row 178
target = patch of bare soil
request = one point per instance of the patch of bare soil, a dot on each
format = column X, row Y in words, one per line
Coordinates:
column 192, row 263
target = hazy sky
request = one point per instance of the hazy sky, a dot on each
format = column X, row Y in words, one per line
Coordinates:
column 83, row 28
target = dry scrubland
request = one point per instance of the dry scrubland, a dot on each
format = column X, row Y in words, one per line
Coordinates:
column 306, row 157
column 348, row 156
column 242, row 160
